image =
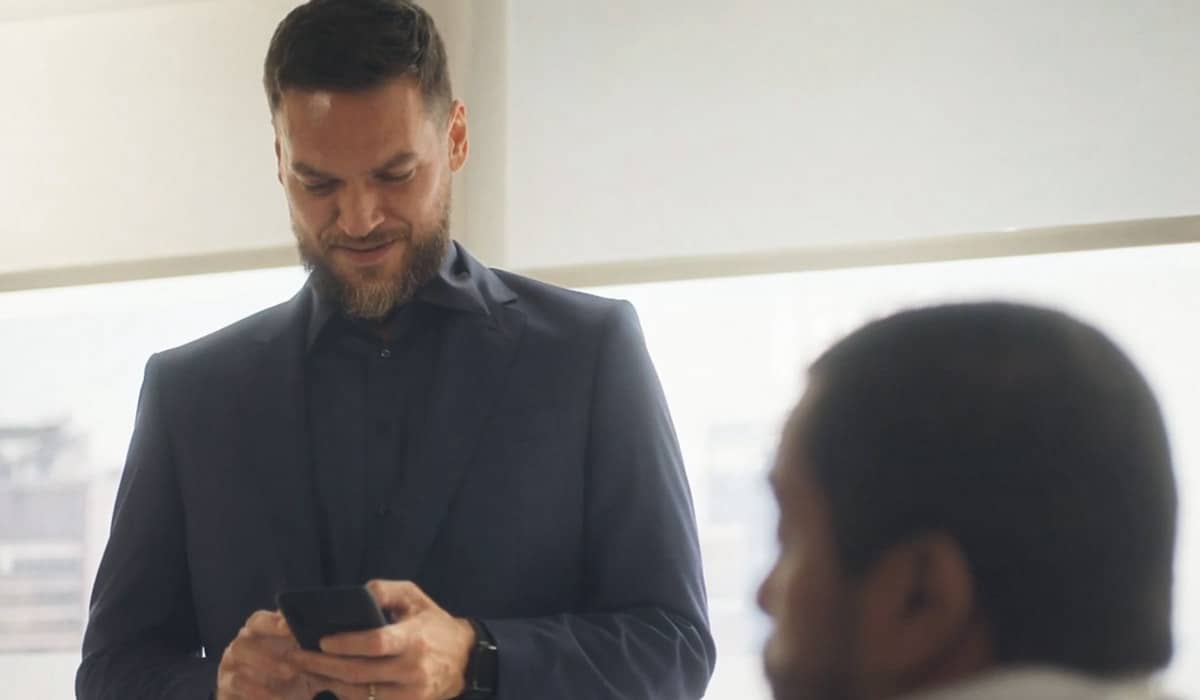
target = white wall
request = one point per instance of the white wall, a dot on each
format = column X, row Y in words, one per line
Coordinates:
column 142, row 132
column 137, row 133
column 680, row 127
column 624, row 130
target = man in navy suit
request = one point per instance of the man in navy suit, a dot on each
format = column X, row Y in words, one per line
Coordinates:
column 494, row 455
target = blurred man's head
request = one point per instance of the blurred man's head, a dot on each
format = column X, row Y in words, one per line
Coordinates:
column 367, row 136
column 968, row 487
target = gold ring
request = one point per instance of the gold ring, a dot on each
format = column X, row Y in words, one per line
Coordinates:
column 371, row 692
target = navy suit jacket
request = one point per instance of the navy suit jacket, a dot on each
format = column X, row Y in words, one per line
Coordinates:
column 549, row 500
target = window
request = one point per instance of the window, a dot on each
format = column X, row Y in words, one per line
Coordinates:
column 731, row 354
column 70, row 366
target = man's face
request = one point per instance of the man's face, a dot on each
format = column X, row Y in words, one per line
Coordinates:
column 908, row 622
column 809, row 600
column 367, row 178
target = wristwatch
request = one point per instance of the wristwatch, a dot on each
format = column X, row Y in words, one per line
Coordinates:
column 483, row 665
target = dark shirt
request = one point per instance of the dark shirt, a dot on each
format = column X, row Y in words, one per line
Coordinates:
column 368, row 384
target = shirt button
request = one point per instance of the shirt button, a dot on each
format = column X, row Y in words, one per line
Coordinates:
column 383, row 511
column 385, row 353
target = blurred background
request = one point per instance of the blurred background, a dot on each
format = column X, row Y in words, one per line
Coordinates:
column 757, row 177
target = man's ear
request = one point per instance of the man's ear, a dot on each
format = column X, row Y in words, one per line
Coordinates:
column 918, row 605
column 459, row 136
column 278, row 160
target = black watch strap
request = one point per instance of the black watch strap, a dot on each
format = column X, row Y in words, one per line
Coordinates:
column 483, row 665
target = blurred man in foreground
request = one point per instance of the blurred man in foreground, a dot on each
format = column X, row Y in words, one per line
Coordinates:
column 976, row 501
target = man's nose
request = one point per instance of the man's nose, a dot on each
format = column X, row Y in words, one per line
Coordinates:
column 359, row 211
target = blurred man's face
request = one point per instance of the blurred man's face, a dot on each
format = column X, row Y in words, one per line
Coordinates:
column 367, row 178
column 909, row 622
column 809, row 600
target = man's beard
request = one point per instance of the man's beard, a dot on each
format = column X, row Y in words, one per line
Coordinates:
column 823, row 674
column 374, row 294
column 828, row 684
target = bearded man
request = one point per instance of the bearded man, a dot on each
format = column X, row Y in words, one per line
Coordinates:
column 491, row 455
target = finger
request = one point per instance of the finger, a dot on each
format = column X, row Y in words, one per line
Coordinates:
column 401, row 597
column 267, row 623
column 357, row 670
column 352, row 691
column 233, row 685
column 393, row 640
column 259, row 661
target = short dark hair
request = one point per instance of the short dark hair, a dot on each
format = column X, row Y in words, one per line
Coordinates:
column 1035, row 443
column 357, row 45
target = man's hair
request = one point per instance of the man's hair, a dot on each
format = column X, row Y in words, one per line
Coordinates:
column 1035, row 443
column 352, row 45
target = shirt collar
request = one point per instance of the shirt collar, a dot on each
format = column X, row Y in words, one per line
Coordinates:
column 453, row 288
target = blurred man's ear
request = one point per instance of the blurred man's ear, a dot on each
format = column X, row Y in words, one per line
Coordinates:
column 919, row 623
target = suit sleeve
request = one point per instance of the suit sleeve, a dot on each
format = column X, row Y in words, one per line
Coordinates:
column 642, row 630
column 142, row 639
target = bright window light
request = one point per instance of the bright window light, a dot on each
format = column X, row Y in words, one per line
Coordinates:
column 731, row 354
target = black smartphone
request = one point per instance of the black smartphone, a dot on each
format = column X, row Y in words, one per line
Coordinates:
column 320, row 612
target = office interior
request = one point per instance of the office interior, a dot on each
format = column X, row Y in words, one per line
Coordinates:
column 757, row 177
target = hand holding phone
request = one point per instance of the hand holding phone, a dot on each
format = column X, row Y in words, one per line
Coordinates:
column 423, row 647
column 256, row 662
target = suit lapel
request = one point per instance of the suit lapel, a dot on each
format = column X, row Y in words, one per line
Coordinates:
column 476, row 353
column 275, row 435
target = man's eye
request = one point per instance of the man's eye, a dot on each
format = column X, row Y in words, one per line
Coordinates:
column 397, row 177
column 319, row 187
